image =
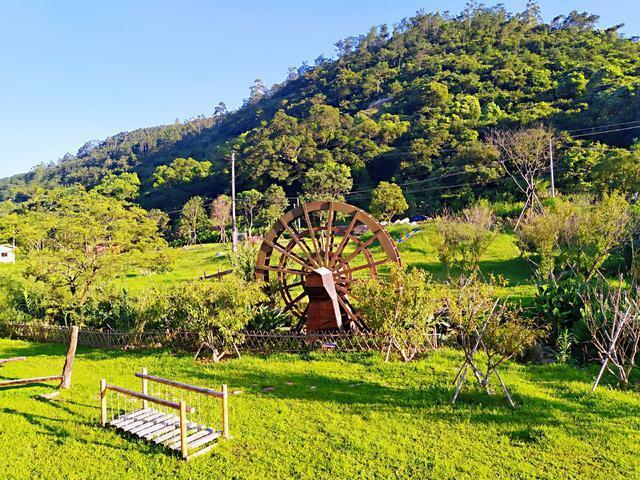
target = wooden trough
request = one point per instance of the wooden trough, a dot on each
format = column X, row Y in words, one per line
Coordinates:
column 64, row 378
column 163, row 421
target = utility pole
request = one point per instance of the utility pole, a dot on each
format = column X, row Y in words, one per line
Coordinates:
column 553, row 182
column 234, row 232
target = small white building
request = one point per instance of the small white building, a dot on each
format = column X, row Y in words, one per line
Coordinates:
column 7, row 254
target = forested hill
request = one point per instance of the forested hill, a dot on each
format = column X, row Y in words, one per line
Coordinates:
column 412, row 104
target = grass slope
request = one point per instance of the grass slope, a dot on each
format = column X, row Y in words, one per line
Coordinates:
column 502, row 258
column 363, row 419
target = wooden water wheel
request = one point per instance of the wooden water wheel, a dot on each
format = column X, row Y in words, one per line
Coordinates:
column 314, row 253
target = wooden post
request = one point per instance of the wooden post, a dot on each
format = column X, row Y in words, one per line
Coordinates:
column 145, row 388
column 103, row 402
column 68, row 363
column 183, row 429
column 225, row 412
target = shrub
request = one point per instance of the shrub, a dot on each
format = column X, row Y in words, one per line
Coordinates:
column 461, row 241
column 267, row 318
column 217, row 311
column 244, row 260
column 404, row 307
column 482, row 324
column 577, row 236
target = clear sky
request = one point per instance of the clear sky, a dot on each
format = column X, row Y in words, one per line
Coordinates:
column 77, row 70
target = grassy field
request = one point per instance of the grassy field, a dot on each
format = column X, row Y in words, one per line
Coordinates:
column 329, row 416
column 502, row 258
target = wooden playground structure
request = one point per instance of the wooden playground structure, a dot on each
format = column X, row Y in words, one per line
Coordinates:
column 64, row 378
column 168, row 413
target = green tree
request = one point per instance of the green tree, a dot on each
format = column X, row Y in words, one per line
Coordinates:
column 403, row 307
column 216, row 311
column 181, row 171
column 193, row 220
column 221, row 215
column 327, row 181
column 249, row 204
column 75, row 242
column 275, row 203
column 387, row 200
column 125, row 186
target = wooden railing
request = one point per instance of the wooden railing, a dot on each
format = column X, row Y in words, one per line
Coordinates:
column 223, row 394
column 163, row 428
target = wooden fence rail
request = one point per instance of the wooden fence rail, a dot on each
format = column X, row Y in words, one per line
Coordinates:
column 250, row 341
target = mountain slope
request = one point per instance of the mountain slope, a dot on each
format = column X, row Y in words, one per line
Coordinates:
column 410, row 105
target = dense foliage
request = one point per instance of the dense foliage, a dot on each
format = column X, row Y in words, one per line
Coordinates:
column 411, row 104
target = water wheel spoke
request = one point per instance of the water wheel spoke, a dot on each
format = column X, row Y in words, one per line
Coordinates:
column 301, row 243
column 366, row 265
column 312, row 233
column 346, row 291
column 362, row 247
column 292, row 303
column 329, row 235
column 290, row 271
column 347, row 309
column 288, row 253
column 345, row 239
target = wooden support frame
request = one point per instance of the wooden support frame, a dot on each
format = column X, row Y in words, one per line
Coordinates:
column 64, row 378
column 172, row 431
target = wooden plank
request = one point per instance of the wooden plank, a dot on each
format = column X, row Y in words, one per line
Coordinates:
column 191, row 438
column 148, row 422
column 202, row 451
column 129, row 422
column 166, row 430
column 206, row 439
column 174, row 432
column 26, row 381
column 160, row 419
column 184, row 386
column 128, row 417
column 159, row 428
column 141, row 423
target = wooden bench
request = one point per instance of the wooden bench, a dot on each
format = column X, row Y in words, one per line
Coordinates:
column 169, row 426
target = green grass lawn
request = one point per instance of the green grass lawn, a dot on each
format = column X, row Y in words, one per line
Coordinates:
column 329, row 416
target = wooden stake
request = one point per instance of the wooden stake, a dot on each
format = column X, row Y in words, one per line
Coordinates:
column 504, row 388
column 183, row 429
column 225, row 412
column 145, row 388
column 68, row 363
column 103, row 402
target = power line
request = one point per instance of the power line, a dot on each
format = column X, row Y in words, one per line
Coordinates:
column 605, row 131
column 602, row 126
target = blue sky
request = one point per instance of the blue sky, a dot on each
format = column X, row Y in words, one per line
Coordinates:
column 72, row 71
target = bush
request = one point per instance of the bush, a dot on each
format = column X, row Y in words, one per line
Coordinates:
column 267, row 318
column 576, row 235
column 461, row 241
column 404, row 307
column 244, row 260
column 217, row 311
